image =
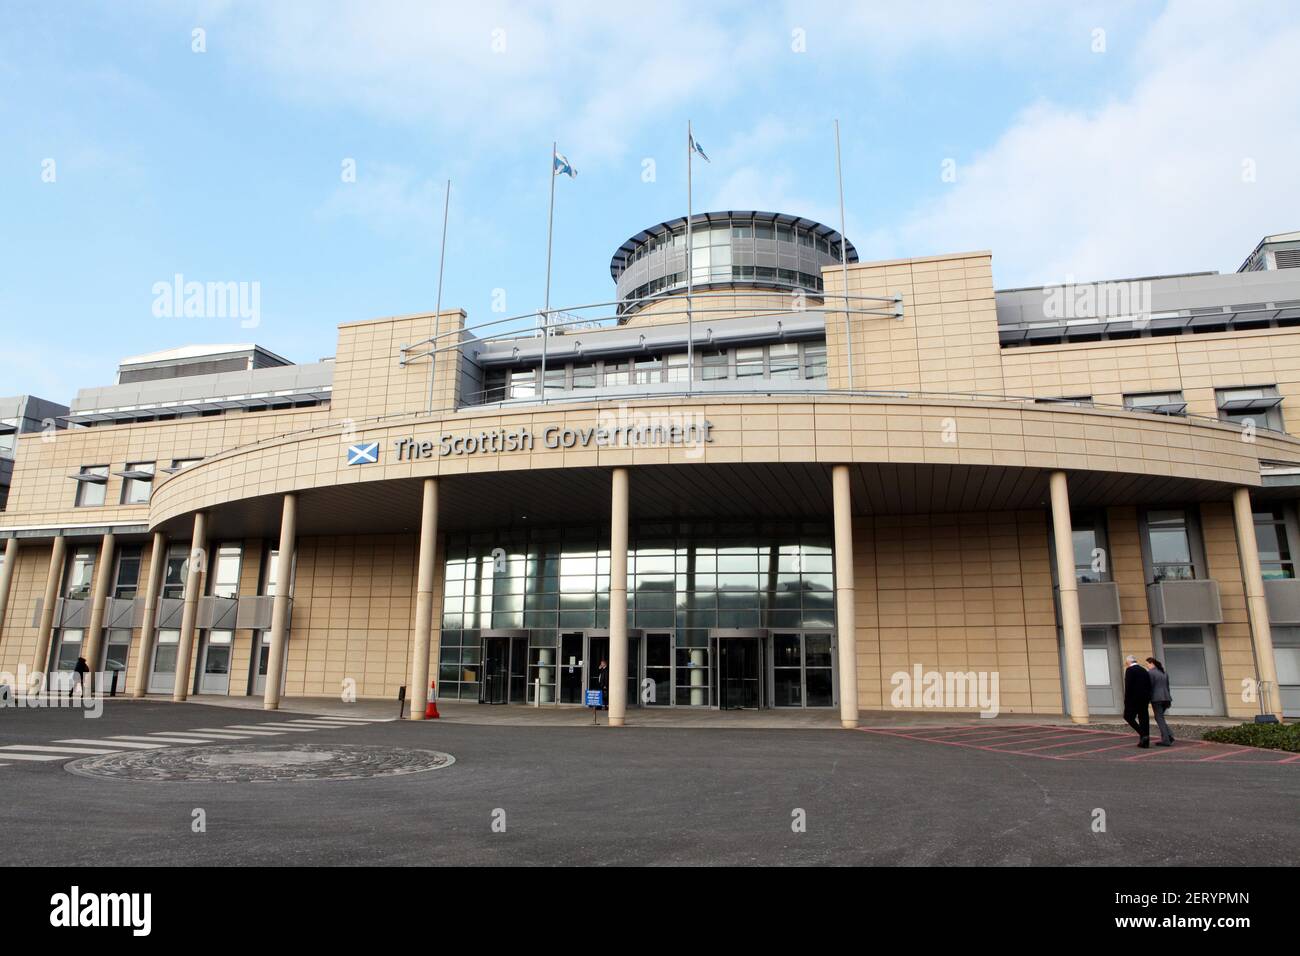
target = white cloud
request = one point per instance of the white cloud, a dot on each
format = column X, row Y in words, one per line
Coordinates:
column 393, row 201
column 1151, row 182
column 588, row 72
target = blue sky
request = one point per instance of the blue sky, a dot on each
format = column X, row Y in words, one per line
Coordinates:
column 1089, row 141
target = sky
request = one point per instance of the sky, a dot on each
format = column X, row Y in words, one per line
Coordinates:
column 302, row 149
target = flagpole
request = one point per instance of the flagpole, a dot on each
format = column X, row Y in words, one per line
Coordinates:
column 844, row 261
column 690, row 271
column 546, row 308
column 437, row 309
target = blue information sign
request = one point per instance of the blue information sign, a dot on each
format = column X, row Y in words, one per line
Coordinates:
column 595, row 698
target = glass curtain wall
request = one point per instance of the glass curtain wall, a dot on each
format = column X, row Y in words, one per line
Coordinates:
column 684, row 579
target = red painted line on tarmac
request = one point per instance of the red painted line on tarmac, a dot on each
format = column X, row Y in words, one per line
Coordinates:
column 1068, row 743
column 1040, row 737
column 1226, row 753
column 1099, row 750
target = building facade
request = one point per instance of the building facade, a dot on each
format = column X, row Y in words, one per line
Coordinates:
column 787, row 479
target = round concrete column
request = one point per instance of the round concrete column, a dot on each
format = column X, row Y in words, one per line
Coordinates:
column 845, row 596
column 1261, row 633
column 148, row 625
column 419, row 691
column 275, row 654
column 46, row 626
column 618, row 597
column 1068, row 591
column 95, row 629
column 7, row 578
column 195, row 566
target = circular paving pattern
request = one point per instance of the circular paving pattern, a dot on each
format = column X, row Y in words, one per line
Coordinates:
column 259, row 763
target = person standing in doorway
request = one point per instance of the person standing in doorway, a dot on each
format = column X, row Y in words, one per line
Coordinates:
column 602, row 684
column 1137, row 698
column 79, row 672
column 1161, row 699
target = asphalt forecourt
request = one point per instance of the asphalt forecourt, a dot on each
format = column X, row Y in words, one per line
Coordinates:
column 125, row 788
column 158, row 785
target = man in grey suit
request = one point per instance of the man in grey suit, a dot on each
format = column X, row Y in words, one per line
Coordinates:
column 1161, row 699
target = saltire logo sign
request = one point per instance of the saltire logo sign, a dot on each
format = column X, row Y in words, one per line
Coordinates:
column 363, row 453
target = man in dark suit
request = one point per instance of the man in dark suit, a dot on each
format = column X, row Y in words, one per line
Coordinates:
column 1137, row 699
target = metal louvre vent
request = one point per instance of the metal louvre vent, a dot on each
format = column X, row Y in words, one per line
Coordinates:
column 1287, row 258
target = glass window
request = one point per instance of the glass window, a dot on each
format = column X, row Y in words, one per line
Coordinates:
column 135, row 491
column 1171, row 548
column 814, row 360
column 713, row 366
column 764, row 230
column 1274, row 549
column 584, row 376
column 174, row 573
column 1257, row 407
column 556, row 378
column 617, row 373
column 1090, row 559
column 128, row 575
column 90, row 490
column 180, row 464
column 783, row 360
column 225, row 572
column 749, row 362
column 81, row 575
column 523, row 383
column 69, row 649
column 647, row 371
column 1167, row 403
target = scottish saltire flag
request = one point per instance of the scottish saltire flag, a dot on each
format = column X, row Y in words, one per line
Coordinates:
column 563, row 167
column 363, row 453
column 697, row 148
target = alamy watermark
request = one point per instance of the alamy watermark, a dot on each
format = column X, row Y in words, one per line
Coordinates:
column 178, row 298
column 960, row 690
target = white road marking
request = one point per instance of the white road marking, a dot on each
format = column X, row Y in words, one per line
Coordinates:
column 10, row 756
column 112, row 742
column 206, row 735
column 159, row 738
column 282, row 727
column 60, row 750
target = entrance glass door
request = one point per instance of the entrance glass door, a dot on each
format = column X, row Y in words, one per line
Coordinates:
column 116, row 651
column 597, row 651
column 496, row 668
column 1101, row 670
column 215, row 673
column 505, row 670
column 740, row 673
column 262, row 655
column 1191, row 660
column 803, row 669
column 162, row 676
column 572, row 662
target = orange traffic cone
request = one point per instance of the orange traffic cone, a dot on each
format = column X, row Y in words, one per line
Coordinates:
column 431, row 711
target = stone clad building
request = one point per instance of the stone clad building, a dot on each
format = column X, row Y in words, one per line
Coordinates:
column 789, row 479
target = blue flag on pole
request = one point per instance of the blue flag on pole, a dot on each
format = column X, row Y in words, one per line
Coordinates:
column 563, row 167
column 697, row 148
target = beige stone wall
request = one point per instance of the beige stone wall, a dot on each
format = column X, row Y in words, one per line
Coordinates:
column 18, row 636
column 353, row 615
column 369, row 383
column 947, row 340
column 959, row 593
column 1194, row 364
column 43, row 494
